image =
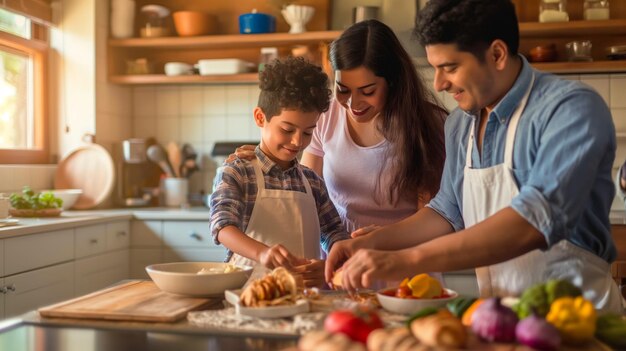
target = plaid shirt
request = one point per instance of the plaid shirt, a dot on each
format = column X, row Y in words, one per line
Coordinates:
column 235, row 190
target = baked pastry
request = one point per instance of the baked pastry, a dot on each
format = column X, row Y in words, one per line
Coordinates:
column 441, row 329
column 321, row 340
column 396, row 339
column 276, row 288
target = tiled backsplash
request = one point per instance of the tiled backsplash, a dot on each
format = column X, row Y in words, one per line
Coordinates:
column 203, row 114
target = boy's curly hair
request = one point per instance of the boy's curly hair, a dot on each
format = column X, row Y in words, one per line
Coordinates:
column 293, row 84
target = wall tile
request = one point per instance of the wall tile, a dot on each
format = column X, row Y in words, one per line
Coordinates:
column 619, row 118
column 600, row 82
column 7, row 175
column 618, row 90
column 191, row 130
column 237, row 100
column 570, row 76
column 144, row 127
column 253, row 91
column 167, row 102
column 214, row 128
column 192, row 101
column 239, row 127
column 168, row 129
column 215, row 100
column 144, row 102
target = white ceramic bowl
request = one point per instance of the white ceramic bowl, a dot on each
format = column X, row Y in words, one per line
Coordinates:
column 182, row 278
column 69, row 196
column 410, row 306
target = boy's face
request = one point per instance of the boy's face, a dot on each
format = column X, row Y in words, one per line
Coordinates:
column 286, row 134
column 459, row 73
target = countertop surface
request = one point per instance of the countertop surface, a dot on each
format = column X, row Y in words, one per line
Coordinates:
column 72, row 219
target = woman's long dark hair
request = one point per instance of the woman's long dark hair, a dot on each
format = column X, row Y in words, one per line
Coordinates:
column 412, row 119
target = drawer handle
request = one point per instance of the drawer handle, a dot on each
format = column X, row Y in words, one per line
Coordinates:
column 93, row 241
column 121, row 233
column 196, row 236
column 11, row 288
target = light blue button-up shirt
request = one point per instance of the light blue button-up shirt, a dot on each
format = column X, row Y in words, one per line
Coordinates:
column 562, row 157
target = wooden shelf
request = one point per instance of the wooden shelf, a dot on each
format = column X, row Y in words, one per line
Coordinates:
column 582, row 67
column 572, row 28
column 230, row 41
column 140, row 79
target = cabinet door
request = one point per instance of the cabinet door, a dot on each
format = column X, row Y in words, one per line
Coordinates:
column 2, row 300
column 178, row 254
column 146, row 234
column 97, row 272
column 140, row 258
column 30, row 252
column 38, row 288
column 464, row 282
column 90, row 240
column 2, row 259
column 118, row 235
column 187, row 234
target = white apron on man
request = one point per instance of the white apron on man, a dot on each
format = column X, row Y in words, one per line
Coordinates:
column 283, row 217
column 489, row 190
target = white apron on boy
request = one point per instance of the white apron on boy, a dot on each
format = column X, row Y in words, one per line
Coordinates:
column 487, row 191
column 283, row 217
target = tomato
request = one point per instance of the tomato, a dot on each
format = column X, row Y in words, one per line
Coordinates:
column 403, row 292
column 356, row 324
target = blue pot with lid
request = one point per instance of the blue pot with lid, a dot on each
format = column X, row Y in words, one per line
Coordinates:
column 256, row 23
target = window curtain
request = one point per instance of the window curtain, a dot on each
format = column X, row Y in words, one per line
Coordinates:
column 37, row 10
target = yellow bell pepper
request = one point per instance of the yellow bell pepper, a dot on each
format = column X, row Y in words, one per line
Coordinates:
column 574, row 317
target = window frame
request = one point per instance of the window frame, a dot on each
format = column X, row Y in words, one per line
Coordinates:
column 37, row 48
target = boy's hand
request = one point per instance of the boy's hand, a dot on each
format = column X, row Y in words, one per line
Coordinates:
column 312, row 273
column 278, row 256
column 244, row 151
column 622, row 178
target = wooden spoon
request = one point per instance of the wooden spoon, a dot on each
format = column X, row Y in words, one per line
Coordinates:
column 174, row 155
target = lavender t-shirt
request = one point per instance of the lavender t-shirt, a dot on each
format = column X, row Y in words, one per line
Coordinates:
column 351, row 171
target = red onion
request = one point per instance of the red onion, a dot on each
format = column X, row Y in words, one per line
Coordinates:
column 494, row 322
column 537, row 333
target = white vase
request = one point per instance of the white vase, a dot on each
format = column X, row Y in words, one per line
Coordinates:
column 297, row 16
column 122, row 18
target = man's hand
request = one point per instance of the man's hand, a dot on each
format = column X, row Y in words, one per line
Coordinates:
column 364, row 230
column 366, row 266
column 342, row 251
column 279, row 256
column 245, row 151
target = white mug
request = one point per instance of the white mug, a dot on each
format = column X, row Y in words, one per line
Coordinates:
column 178, row 69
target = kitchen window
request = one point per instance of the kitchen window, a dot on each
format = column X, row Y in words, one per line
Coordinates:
column 23, row 124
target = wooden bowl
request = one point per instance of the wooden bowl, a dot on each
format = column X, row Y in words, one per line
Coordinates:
column 48, row 212
column 193, row 23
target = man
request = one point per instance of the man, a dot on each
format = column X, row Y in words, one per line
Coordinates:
column 526, row 187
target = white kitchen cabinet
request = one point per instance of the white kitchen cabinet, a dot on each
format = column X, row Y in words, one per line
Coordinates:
column 90, row 240
column 34, row 251
column 2, row 294
column 464, row 282
column 190, row 241
column 41, row 287
column 1, row 259
column 118, row 235
column 97, row 272
column 146, row 246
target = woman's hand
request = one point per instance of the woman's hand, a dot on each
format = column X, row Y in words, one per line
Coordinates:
column 341, row 251
column 245, row 151
column 278, row 256
column 312, row 273
column 364, row 230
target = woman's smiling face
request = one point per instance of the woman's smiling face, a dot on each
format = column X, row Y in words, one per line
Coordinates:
column 361, row 93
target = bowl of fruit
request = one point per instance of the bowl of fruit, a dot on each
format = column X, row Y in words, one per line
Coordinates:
column 415, row 294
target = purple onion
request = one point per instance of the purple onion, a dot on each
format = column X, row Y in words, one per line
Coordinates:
column 537, row 333
column 493, row 322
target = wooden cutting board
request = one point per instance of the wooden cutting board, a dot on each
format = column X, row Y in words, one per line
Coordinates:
column 132, row 301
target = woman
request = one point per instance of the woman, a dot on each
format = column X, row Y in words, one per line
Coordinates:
column 380, row 146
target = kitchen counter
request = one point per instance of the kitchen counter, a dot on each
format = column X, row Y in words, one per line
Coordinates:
column 71, row 219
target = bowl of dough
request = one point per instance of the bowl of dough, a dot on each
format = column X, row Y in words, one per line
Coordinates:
column 198, row 278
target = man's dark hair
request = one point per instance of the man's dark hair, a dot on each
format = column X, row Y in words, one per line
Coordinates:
column 470, row 24
column 293, row 84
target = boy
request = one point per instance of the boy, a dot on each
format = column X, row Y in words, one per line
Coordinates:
column 271, row 210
